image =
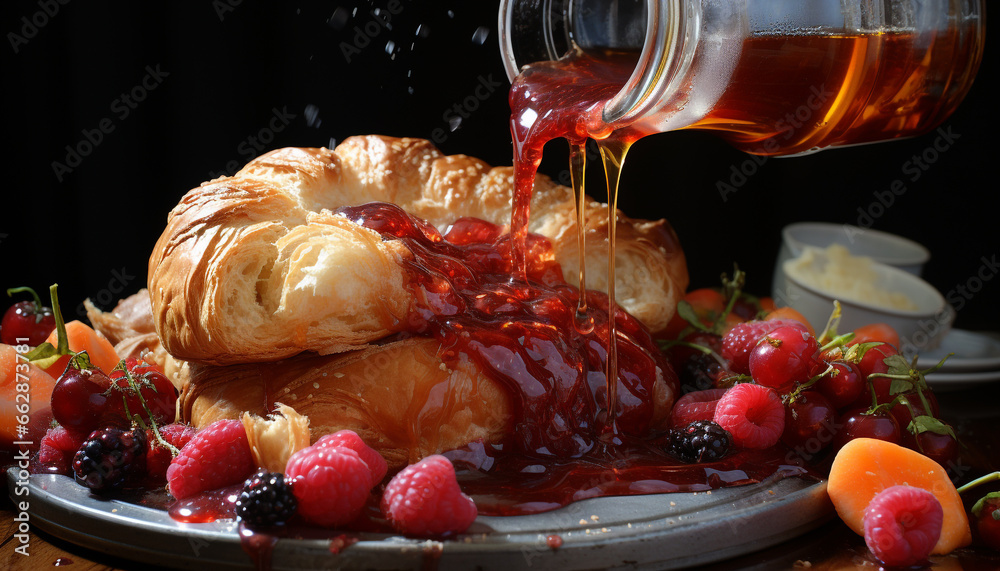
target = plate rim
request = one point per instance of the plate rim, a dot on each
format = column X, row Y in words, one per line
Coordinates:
column 588, row 543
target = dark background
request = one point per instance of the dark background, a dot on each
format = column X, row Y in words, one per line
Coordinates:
column 227, row 80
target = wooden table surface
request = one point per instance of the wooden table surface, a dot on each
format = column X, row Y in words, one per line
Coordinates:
column 974, row 413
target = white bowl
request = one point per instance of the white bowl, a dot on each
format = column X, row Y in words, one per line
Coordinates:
column 882, row 247
column 920, row 329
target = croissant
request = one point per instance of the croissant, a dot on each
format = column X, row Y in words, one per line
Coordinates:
column 399, row 396
column 257, row 267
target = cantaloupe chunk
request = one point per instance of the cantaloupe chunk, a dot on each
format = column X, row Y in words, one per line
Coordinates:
column 82, row 337
column 22, row 386
column 865, row 466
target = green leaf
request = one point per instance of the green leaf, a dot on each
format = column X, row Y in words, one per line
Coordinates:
column 925, row 423
column 978, row 507
column 44, row 356
column 687, row 313
column 855, row 353
column 900, row 386
column 898, row 365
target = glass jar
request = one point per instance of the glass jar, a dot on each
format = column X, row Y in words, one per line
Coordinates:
column 772, row 77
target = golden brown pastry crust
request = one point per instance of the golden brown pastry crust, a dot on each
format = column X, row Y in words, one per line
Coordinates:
column 398, row 396
column 254, row 267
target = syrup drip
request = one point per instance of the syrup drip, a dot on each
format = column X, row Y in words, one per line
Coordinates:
column 577, row 172
column 522, row 334
column 565, row 99
column 613, row 151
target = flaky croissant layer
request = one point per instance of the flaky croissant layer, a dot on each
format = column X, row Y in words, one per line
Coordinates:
column 255, row 267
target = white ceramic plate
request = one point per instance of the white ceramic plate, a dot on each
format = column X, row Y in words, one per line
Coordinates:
column 661, row 531
column 973, row 352
column 943, row 382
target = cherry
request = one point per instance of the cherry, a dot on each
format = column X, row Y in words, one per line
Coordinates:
column 988, row 523
column 154, row 387
column 874, row 360
column 80, row 398
column 903, row 414
column 784, row 357
column 842, row 386
column 942, row 448
column 857, row 424
column 809, row 422
column 26, row 322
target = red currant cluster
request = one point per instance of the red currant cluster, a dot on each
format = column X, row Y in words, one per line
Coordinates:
column 113, row 428
column 814, row 393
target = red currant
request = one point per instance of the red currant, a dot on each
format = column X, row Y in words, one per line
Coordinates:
column 783, row 357
column 842, row 386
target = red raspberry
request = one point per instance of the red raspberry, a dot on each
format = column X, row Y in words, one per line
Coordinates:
column 753, row 415
column 217, row 456
column 902, row 525
column 331, row 484
column 56, row 451
column 158, row 456
column 424, row 500
column 350, row 439
column 699, row 405
column 743, row 337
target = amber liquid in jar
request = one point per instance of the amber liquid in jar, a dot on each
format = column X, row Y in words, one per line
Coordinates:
column 796, row 93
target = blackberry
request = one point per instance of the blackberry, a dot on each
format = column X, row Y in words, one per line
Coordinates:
column 111, row 459
column 266, row 500
column 700, row 441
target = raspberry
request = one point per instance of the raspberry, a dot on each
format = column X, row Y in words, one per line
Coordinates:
column 219, row 455
column 743, row 337
column 111, row 459
column 350, row 439
column 331, row 484
column 424, row 500
column 699, row 405
column 902, row 525
column 753, row 415
column 700, row 441
column 158, row 456
column 266, row 500
column 56, row 451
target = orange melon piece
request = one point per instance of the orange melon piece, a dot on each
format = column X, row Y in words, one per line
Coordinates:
column 83, row 338
column 39, row 391
column 865, row 466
